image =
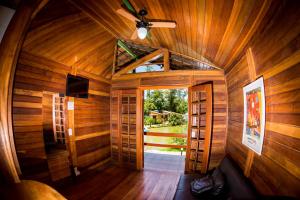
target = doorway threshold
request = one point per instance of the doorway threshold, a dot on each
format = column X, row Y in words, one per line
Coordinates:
column 164, row 162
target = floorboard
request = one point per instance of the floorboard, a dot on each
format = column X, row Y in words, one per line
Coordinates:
column 114, row 183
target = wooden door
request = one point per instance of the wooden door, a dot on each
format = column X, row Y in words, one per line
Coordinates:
column 126, row 112
column 199, row 128
column 128, row 127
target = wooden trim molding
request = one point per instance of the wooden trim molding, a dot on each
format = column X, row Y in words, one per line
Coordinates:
column 115, row 61
column 165, row 145
column 283, row 65
column 173, row 135
column 166, row 60
column 249, row 162
column 71, row 127
column 99, row 93
column 251, row 64
column 170, row 73
column 139, row 62
column 154, row 87
column 91, row 135
column 9, row 52
column 284, row 129
column 139, row 129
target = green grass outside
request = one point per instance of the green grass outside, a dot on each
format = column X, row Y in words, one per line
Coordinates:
column 164, row 140
column 169, row 129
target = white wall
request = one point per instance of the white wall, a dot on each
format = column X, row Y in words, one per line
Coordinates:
column 5, row 16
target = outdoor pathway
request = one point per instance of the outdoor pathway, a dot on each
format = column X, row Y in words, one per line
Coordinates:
column 164, row 162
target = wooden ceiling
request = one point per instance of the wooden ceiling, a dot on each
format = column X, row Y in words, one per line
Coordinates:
column 83, row 33
column 214, row 29
column 62, row 33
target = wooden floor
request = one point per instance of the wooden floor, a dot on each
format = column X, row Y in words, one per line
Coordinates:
column 119, row 183
column 164, row 162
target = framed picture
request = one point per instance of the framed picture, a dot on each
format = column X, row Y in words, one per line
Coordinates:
column 254, row 115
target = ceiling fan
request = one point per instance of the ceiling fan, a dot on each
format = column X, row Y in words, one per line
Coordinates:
column 143, row 25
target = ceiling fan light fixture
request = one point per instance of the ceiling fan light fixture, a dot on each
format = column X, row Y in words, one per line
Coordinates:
column 142, row 32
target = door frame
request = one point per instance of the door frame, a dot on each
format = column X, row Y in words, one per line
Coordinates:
column 140, row 117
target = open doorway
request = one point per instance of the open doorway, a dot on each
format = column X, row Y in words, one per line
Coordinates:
column 165, row 129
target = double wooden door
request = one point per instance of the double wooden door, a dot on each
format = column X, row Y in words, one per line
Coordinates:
column 127, row 130
column 199, row 128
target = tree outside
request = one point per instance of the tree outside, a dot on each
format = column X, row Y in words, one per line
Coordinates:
column 165, row 111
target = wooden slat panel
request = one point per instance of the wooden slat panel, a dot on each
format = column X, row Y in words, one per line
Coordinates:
column 92, row 144
column 92, row 126
column 277, row 60
column 88, row 46
column 36, row 74
column 93, row 157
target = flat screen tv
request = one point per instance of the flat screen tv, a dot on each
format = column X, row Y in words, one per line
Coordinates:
column 77, row 86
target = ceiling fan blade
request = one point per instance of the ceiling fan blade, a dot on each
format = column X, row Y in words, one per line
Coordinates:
column 127, row 15
column 134, row 35
column 129, row 6
column 162, row 24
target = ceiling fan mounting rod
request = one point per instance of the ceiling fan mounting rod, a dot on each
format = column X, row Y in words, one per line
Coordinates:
column 142, row 24
column 143, row 12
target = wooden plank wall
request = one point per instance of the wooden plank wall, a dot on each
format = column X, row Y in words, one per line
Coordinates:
column 47, row 117
column 276, row 54
column 36, row 74
column 92, row 128
column 219, row 103
column 28, row 132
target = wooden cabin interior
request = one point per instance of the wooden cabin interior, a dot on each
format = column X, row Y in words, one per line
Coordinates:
column 72, row 98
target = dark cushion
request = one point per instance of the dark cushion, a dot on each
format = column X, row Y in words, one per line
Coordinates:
column 202, row 185
column 186, row 179
column 183, row 189
column 236, row 184
column 239, row 187
column 219, row 182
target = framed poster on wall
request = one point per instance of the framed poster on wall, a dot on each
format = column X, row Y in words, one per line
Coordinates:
column 254, row 115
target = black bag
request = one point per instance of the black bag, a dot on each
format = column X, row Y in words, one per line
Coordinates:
column 202, row 185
